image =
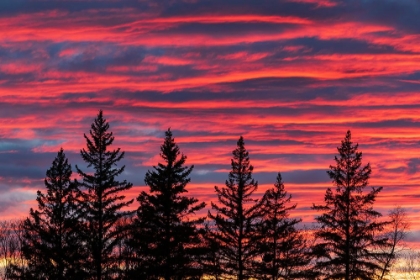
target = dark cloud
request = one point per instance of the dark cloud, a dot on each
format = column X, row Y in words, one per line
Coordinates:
column 270, row 7
column 400, row 123
column 403, row 15
column 93, row 59
column 306, row 176
column 220, row 30
column 413, row 165
column 33, row 6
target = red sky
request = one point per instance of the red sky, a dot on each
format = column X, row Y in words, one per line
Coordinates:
column 290, row 76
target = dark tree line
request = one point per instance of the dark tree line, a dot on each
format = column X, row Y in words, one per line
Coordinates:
column 82, row 229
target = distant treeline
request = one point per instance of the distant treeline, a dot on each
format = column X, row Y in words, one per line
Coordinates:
column 82, row 229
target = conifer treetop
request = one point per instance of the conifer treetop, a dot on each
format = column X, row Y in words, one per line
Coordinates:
column 241, row 167
column 58, row 175
column 347, row 173
column 98, row 142
column 277, row 198
column 173, row 166
column 169, row 151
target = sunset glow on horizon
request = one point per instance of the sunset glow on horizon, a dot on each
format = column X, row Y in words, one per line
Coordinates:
column 289, row 76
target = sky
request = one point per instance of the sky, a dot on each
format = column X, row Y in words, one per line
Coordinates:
column 289, row 76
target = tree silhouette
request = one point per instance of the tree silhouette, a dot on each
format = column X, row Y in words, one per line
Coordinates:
column 51, row 242
column 11, row 247
column 126, row 256
column 396, row 233
column 237, row 216
column 211, row 259
column 16, row 267
column 283, row 248
column 349, row 227
column 166, row 233
column 102, row 200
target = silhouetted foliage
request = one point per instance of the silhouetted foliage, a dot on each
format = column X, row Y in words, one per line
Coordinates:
column 283, row 250
column 102, row 200
column 126, row 256
column 11, row 241
column 81, row 231
column 211, row 259
column 51, row 244
column 396, row 232
column 166, row 233
column 237, row 217
column 349, row 227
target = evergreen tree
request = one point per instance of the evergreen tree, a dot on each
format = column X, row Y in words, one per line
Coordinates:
column 211, row 259
column 166, row 233
column 51, row 242
column 349, row 226
column 237, row 216
column 283, row 249
column 103, row 202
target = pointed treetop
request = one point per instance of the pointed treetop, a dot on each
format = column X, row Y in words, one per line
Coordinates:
column 100, row 121
column 241, row 165
column 347, row 148
column 168, row 137
column 348, row 164
column 240, row 152
column 240, row 147
column 278, row 196
column 278, row 185
column 169, row 150
column 60, row 171
column 241, row 142
column 99, row 140
column 348, row 135
column 347, row 138
column 279, row 180
column 168, row 133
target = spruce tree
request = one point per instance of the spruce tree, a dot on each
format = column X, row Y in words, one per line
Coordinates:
column 350, row 229
column 166, row 231
column 283, row 249
column 103, row 200
column 237, row 217
column 51, row 241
